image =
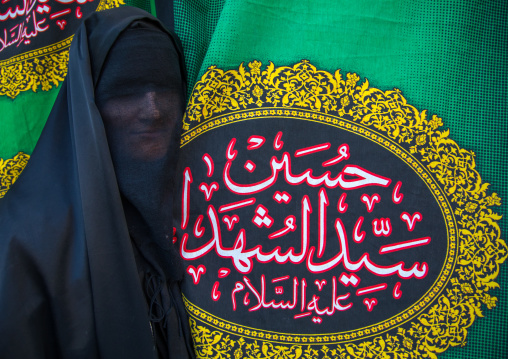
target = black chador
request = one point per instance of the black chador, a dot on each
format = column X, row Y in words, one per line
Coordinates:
column 88, row 268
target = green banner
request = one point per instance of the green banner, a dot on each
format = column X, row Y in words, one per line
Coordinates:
column 447, row 57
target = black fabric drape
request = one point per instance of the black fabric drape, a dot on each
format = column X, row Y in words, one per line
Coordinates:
column 165, row 12
column 69, row 283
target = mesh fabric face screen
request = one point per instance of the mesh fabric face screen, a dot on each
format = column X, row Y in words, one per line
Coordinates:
column 140, row 95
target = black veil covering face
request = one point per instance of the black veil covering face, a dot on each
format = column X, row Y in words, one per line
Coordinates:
column 87, row 264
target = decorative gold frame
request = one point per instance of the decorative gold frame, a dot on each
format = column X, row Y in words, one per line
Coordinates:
column 42, row 68
column 475, row 246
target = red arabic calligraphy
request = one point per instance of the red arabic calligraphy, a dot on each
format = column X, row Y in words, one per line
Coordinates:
column 213, row 235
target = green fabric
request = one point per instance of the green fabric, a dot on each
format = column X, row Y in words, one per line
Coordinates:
column 448, row 57
column 23, row 119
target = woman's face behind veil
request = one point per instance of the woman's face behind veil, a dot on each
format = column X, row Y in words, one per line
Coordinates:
column 140, row 126
column 140, row 96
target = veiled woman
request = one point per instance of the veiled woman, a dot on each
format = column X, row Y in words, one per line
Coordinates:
column 88, row 268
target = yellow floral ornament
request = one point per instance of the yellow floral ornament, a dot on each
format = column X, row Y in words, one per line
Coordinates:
column 10, row 170
column 463, row 290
